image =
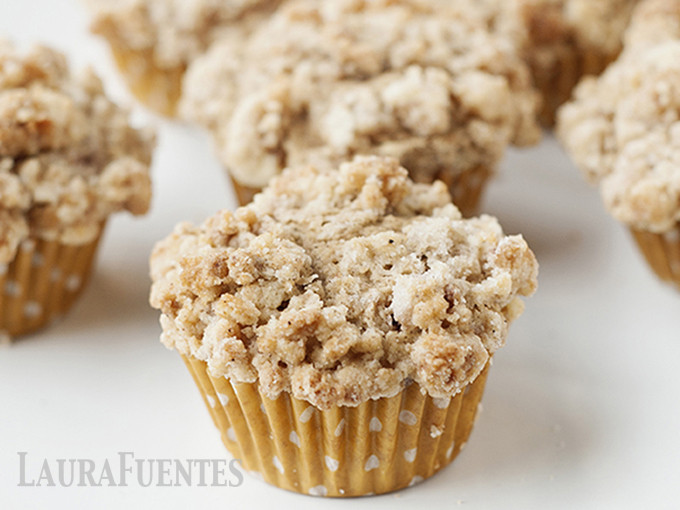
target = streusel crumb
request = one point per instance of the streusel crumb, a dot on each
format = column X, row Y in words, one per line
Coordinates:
column 315, row 84
column 655, row 21
column 342, row 286
column 68, row 156
column 623, row 129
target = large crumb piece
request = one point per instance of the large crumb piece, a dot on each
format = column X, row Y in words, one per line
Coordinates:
column 342, row 286
column 623, row 129
column 319, row 82
column 68, row 156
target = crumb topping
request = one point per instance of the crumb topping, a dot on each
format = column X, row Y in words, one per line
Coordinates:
column 68, row 156
column 313, row 84
column 173, row 32
column 655, row 21
column 623, row 129
column 342, row 286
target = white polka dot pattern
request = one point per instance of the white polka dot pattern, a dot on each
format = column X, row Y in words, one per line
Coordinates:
column 376, row 447
column 372, row 463
column 319, row 490
column 331, row 463
column 375, row 425
column 408, row 418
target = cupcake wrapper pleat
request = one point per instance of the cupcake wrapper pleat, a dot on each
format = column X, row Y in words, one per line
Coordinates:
column 42, row 283
column 557, row 83
column 377, row 447
column 159, row 89
column 662, row 252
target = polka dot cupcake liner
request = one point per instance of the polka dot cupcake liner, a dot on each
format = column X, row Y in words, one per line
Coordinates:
column 466, row 188
column 42, row 283
column 662, row 252
column 377, row 447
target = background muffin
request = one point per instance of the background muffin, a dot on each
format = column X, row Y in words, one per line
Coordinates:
column 561, row 40
column 153, row 41
column 314, row 84
column 623, row 130
column 340, row 326
column 68, row 159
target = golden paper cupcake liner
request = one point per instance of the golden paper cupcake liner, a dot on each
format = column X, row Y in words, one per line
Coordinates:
column 557, row 83
column 158, row 89
column 377, row 447
column 466, row 188
column 244, row 194
column 42, row 283
column 662, row 252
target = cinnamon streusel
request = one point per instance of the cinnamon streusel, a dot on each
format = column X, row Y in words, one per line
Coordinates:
column 314, row 84
column 338, row 296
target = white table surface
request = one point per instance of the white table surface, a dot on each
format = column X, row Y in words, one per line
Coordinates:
column 582, row 405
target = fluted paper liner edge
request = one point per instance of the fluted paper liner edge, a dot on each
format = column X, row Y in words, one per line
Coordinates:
column 662, row 252
column 377, row 447
column 42, row 283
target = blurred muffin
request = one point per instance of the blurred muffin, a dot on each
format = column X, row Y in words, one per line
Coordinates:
column 341, row 326
column 561, row 40
column 153, row 41
column 623, row 131
column 320, row 82
column 68, row 159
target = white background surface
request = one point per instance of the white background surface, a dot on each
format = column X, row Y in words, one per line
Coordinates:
column 581, row 409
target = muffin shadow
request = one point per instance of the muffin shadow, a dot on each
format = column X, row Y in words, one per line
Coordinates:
column 526, row 432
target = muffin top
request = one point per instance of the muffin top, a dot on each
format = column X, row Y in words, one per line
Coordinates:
column 68, row 156
column 342, row 286
column 172, row 32
column 315, row 84
column 623, row 130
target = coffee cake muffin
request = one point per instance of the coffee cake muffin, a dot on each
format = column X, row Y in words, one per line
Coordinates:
column 561, row 40
column 341, row 326
column 68, row 159
column 623, row 131
column 320, row 82
column 153, row 41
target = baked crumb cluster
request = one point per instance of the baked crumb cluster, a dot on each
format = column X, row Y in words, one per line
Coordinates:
column 68, row 156
column 342, row 286
column 172, row 32
column 623, row 129
column 319, row 82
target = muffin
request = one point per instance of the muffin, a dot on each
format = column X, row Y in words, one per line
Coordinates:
column 153, row 41
column 341, row 326
column 68, row 159
column 320, row 82
column 561, row 40
column 623, row 131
